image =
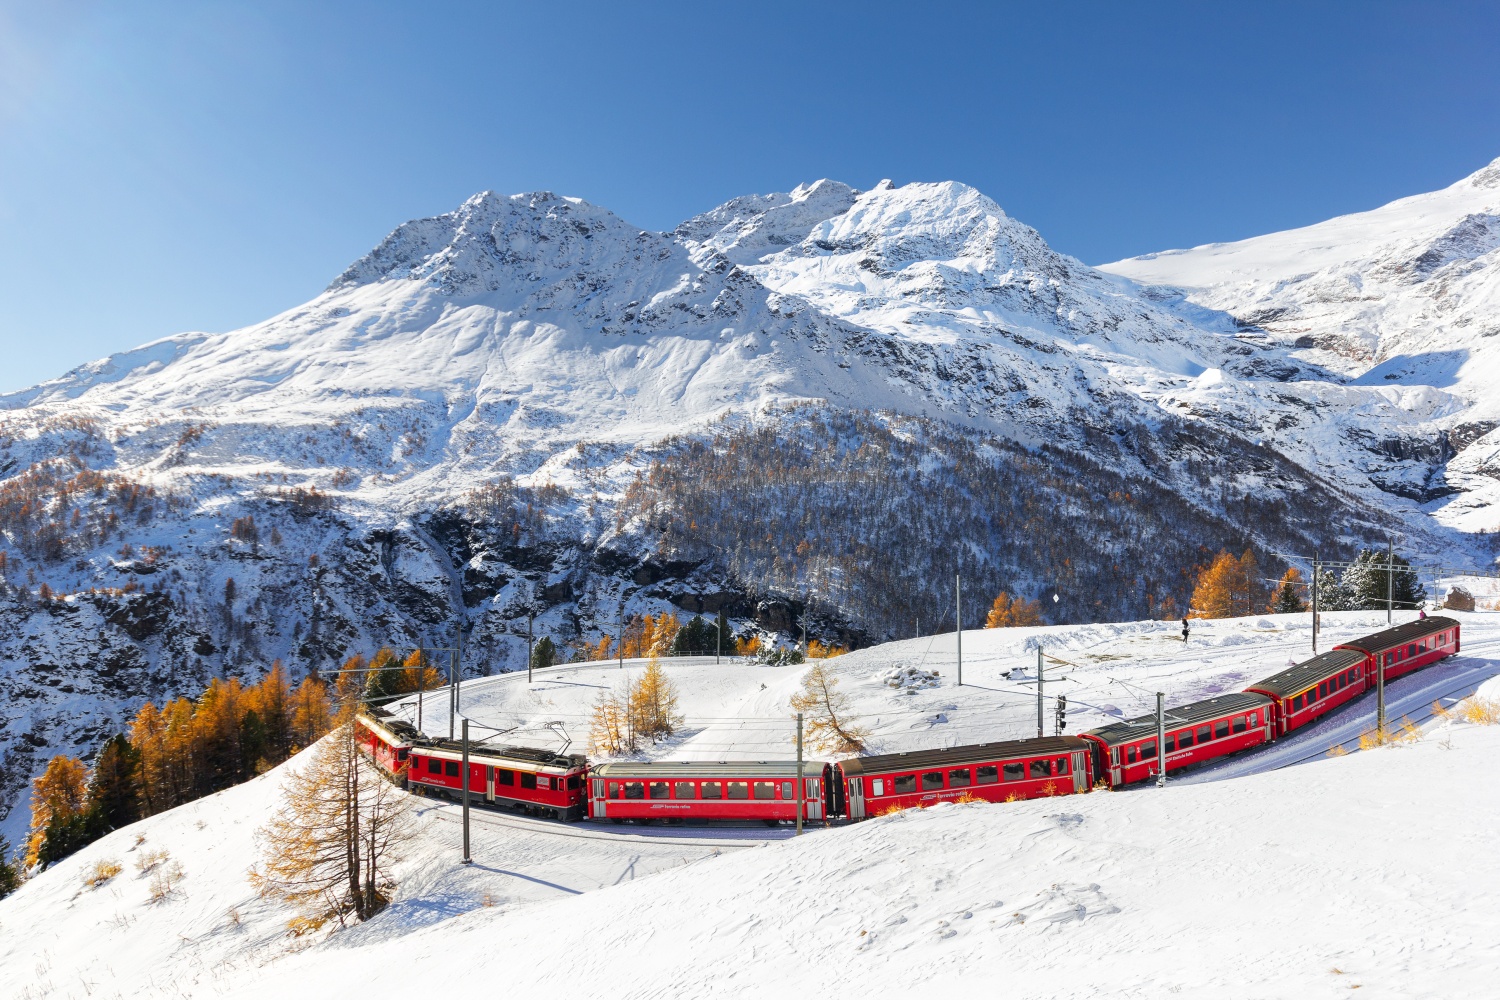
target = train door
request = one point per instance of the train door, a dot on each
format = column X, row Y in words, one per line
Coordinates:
column 812, row 798
column 855, row 790
column 1080, row 771
column 1116, row 772
column 597, row 793
column 489, row 784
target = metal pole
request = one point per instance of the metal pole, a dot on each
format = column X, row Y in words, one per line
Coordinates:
column 621, row 646
column 421, row 686
column 958, row 607
column 1161, row 741
column 467, row 859
column 1039, row 691
column 1380, row 696
column 1315, row 604
column 1390, row 581
column 799, row 774
column 530, row 644
column 718, row 641
column 452, row 694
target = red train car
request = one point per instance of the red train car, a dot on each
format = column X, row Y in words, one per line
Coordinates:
column 1309, row 690
column 1407, row 647
column 1126, row 752
column 722, row 790
column 539, row 782
column 386, row 738
column 995, row 772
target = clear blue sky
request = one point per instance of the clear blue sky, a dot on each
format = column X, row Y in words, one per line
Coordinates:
column 202, row 166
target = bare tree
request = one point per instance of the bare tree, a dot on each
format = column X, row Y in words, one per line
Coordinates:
column 329, row 848
column 830, row 726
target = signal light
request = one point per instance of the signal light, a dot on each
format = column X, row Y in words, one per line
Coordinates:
column 1062, row 712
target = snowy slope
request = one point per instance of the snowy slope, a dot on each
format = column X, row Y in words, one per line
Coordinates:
column 1405, row 296
column 1240, row 888
column 371, row 431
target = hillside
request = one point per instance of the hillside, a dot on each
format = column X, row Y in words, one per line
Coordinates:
column 1404, row 297
column 1244, row 888
column 803, row 409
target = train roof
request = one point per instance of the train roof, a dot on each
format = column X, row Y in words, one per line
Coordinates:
column 449, row 749
column 1390, row 638
column 395, row 725
column 1295, row 680
column 974, row 753
column 659, row 769
column 1180, row 715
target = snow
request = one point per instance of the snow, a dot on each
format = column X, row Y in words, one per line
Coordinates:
column 1372, row 870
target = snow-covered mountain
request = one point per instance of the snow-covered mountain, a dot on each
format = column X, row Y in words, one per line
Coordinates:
column 1404, row 297
column 814, row 405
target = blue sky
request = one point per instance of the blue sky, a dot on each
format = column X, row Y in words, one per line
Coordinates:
column 202, row 166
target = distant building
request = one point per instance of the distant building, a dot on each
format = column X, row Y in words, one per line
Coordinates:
column 1459, row 599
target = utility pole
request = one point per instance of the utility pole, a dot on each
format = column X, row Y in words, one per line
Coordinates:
column 467, row 860
column 1161, row 741
column 1315, row 604
column 1039, row 713
column 1390, row 580
column 530, row 643
column 421, row 685
column 958, row 606
column 799, row 774
column 1380, row 696
column 718, row 640
column 452, row 693
column 621, row 645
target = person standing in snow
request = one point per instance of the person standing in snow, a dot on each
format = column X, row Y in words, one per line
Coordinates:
column 1184, row 630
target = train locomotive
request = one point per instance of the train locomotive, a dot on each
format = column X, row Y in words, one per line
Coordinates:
column 567, row 787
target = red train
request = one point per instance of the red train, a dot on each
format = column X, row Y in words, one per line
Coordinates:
column 566, row 787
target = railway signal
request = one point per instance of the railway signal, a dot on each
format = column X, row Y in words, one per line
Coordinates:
column 1062, row 713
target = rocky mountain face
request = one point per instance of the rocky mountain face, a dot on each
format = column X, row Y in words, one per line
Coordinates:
column 1405, row 299
column 804, row 408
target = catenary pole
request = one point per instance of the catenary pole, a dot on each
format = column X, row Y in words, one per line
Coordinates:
column 1390, row 580
column 1161, row 740
column 799, row 774
column 1039, row 713
column 958, row 608
column 1315, row 604
column 467, row 859
column 1380, row 696
column 621, row 648
column 530, row 643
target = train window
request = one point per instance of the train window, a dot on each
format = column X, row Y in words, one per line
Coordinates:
column 614, row 789
column 1203, row 732
column 1131, row 754
column 932, row 780
column 738, row 789
column 1335, row 683
column 505, row 776
column 959, row 778
column 986, row 774
column 1062, row 766
column 661, row 790
column 685, row 790
column 713, row 790
column 434, row 766
column 574, row 782
column 1171, row 743
column 528, row 780
column 1422, row 646
column 1041, row 769
column 905, row 784
column 1184, row 739
column 1240, row 723
column 1221, row 729
column 1148, row 750
column 877, row 786
column 765, row 789
column 1322, row 689
column 1297, row 703
column 1015, row 772
column 1411, row 650
column 633, row 789
column 450, row 768
column 787, row 788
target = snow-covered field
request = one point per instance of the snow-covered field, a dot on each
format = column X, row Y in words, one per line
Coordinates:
column 1373, row 870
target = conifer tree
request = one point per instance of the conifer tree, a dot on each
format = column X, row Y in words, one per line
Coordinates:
column 1288, row 599
column 610, row 733
column 384, row 679
column 310, row 713
column 329, row 849
column 10, row 875
column 58, row 797
column 827, row 721
column 1009, row 612
column 114, row 788
column 1370, row 585
column 543, row 653
column 653, row 704
column 1213, row 595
